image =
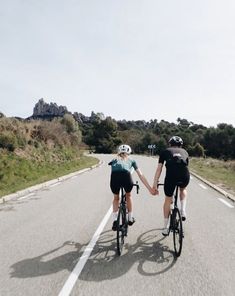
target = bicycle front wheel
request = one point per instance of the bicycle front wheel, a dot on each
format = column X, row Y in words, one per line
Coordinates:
column 177, row 228
column 121, row 229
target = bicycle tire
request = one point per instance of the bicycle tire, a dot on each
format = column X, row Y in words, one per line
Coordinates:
column 177, row 228
column 121, row 229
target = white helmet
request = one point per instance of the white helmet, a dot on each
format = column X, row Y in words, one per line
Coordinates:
column 124, row 149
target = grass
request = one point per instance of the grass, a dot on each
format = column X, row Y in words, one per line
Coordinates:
column 17, row 172
column 218, row 172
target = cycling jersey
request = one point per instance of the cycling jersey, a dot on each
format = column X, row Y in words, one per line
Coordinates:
column 174, row 156
column 121, row 174
column 120, row 165
column 176, row 162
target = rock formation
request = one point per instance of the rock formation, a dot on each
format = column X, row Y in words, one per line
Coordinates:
column 44, row 110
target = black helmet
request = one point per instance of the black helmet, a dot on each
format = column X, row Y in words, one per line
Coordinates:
column 176, row 141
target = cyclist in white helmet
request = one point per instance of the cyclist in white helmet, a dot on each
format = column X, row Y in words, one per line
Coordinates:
column 121, row 169
column 176, row 160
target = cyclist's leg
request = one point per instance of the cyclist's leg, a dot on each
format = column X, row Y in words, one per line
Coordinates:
column 129, row 203
column 183, row 200
column 183, row 195
column 169, row 188
column 167, row 206
column 115, row 211
column 128, row 185
column 115, row 187
column 115, row 205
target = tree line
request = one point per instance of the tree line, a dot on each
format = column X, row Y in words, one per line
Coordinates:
column 104, row 135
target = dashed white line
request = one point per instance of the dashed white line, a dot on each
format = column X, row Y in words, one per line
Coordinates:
column 203, row 186
column 226, row 203
column 68, row 286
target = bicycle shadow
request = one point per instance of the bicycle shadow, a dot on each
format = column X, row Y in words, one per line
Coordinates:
column 149, row 253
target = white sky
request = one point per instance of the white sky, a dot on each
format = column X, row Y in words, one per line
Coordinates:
column 130, row 59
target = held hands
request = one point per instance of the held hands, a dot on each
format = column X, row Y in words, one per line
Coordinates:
column 154, row 191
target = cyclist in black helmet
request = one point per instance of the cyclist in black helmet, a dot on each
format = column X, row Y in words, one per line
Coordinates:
column 176, row 161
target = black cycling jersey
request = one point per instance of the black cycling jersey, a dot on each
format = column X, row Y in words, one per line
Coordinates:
column 176, row 161
column 174, row 156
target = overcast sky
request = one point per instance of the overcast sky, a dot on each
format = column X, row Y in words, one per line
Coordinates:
column 130, row 59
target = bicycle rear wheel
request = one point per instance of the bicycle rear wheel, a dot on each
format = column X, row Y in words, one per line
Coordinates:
column 121, row 230
column 177, row 228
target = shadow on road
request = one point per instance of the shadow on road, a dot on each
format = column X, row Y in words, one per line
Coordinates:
column 50, row 262
column 151, row 256
column 149, row 253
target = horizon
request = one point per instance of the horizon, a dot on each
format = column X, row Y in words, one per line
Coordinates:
column 106, row 115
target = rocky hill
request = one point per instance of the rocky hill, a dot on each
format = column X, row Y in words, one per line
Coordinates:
column 45, row 110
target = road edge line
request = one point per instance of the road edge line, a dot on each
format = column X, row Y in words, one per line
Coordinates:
column 220, row 190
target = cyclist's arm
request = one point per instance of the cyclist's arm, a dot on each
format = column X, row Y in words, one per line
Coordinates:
column 144, row 180
column 157, row 175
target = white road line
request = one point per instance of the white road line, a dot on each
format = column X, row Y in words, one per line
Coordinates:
column 226, row 203
column 26, row 196
column 203, row 186
column 68, row 286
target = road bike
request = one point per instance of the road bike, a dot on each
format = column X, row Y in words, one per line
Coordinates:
column 122, row 220
column 176, row 225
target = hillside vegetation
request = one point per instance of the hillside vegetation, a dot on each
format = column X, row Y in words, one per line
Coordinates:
column 51, row 143
column 218, row 172
column 36, row 151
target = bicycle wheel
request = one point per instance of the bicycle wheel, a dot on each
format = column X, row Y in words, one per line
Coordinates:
column 177, row 228
column 121, row 229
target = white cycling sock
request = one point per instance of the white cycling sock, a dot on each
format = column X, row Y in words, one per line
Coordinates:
column 130, row 216
column 166, row 220
column 115, row 215
column 183, row 205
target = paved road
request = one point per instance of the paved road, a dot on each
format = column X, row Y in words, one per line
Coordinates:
column 44, row 235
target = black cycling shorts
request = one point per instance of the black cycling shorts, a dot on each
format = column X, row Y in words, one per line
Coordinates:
column 121, row 179
column 171, row 182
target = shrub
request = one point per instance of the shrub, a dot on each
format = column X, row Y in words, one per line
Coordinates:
column 8, row 141
column 70, row 123
column 196, row 150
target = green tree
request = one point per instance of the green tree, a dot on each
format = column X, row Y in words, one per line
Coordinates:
column 148, row 139
column 196, row 150
column 70, row 123
column 161, row 145
column 104, row 136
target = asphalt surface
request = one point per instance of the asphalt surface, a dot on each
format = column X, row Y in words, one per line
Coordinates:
column 47, row 233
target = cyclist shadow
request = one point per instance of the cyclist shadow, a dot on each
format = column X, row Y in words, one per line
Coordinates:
column 149, row 252
column 49, row 262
